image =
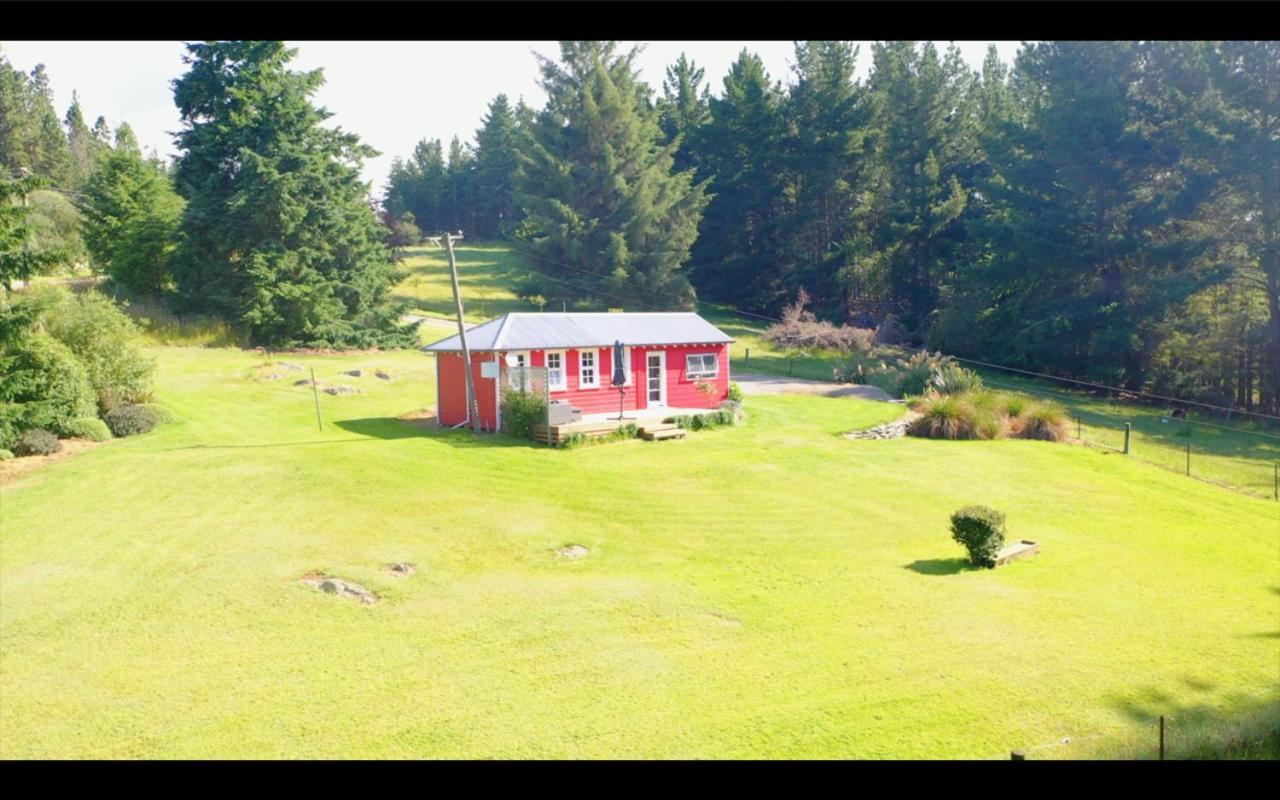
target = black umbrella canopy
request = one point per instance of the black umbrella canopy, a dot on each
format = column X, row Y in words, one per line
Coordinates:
column 619, row 369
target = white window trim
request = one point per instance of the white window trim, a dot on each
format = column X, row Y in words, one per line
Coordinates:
column 626, row 365
column 689, row 374
column 563, row 385
column 527, row 356
column 595, row 369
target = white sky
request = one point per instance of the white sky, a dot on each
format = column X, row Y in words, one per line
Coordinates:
column 390, row 93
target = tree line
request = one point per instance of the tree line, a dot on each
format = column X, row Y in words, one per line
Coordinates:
column 262, row 219
column 1100, row 210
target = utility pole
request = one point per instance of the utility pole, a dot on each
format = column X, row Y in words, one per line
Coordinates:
column 473, row 407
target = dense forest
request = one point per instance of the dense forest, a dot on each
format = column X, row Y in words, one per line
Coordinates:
column 1103, row 210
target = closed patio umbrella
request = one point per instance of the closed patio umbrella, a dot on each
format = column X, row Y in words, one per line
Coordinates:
column 619, row 375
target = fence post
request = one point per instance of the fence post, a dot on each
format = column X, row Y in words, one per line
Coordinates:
column 747, row 360
column 315, row 391
column 1277, row 481
column 791, row 367
column 1079, row 430
column 1128, row 428
column 1017, row 755
column 1188, row 459
column 1162, row 737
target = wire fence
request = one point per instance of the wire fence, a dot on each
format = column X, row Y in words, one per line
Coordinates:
column 1198, row 732
column 1238, row 458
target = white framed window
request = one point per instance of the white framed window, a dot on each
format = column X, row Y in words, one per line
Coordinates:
column 700, row 366
column 517, row 374
column 588, row 378
column 555, row 371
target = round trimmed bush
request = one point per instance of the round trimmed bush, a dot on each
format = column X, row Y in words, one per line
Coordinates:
column 91, row 428
column 6, row 455
column 36, row 443
column 131, row 420
column 981, row 531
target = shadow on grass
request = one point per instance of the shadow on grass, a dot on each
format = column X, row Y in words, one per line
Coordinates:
column 941, row 566
column 1238, row 725
column 388, row 428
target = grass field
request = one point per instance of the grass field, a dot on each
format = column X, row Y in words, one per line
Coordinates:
column 1238, row 456
column 771, row 590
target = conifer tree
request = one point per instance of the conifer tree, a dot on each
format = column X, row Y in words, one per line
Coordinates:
column 683, row 109
column 607, row 213
column 278, row 233
column 496, row 164
column 735, row 256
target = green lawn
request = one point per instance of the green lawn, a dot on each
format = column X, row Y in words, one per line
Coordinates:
column 486, row 274
column 771, row 590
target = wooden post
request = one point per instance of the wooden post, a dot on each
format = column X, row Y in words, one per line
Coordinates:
column 1276, row 484
column 747, row 360
column 1127, row 429
column 1017, row 755
column 1162, row 737
column 473, row 402
column 1079, row 430
column 1188, row 458
column 315, row 390
column 791, row 367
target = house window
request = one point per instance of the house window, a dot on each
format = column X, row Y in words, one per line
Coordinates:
column 626, row 364
column 587, row 378
column 555, row 370
column 517, row 373
column 701, row 366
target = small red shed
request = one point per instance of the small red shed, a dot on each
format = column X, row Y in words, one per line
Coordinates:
column 667, row 355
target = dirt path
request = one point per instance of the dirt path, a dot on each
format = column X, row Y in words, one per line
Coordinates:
column 752, row 383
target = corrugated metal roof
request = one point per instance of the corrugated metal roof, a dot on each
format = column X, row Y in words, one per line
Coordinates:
column 534, row 331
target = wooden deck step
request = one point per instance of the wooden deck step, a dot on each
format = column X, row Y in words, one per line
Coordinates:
column 665, row 433
column 657, row 426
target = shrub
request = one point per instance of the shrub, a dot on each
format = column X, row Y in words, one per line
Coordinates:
column 891, row 331
column 36, row 443
column 735, row 393
column 981, row 531
column 521, row 411
column 91, row 428
column 954, row 379
column 707, row 390
column 107, row 343
column 6, row 455
column 130, row 420
column 1013, row 404
column 45, row 386
column 573, row 440
column 915, row 374
column 946, row 417
column 801, row 329
column 1045, row 421
column 162, row 413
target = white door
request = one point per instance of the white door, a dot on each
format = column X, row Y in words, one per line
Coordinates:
column 656, row 378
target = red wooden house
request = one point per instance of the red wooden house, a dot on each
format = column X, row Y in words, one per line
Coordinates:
column 667, row 356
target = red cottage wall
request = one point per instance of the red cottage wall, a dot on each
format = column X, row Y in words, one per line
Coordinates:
column 452, row 390
column 683, row 392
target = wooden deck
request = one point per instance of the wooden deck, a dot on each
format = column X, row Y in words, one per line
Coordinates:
column 650, row 427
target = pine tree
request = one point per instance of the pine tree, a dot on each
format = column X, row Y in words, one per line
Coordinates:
column 84, row 145
column 278, row 233
column 131, row 219
column 458, row 187
column 924, row 151
column 683, row 109
column 20, row 256
column 827, row 127
column 736, row 254
column 31, row 136
column 496, row 164
column 607, row 213
column 419, row 186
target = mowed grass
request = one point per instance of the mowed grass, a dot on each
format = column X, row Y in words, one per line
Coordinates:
column 771, row 590
column 486, row 277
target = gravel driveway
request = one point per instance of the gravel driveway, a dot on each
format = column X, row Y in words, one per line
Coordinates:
column 752, row 383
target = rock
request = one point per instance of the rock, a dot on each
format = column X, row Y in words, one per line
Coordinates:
column 355, row 373
column 404, row 568
column 890, row 430
column 272, row 376
column 287, row 367
column 341, row 588
column 335, row 390
column 572, row 551
column 383, row 374
column 303, row 382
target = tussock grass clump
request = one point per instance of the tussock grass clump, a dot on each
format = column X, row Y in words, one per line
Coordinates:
column 1046, row 421
column 946, row 416
column 91, row 428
